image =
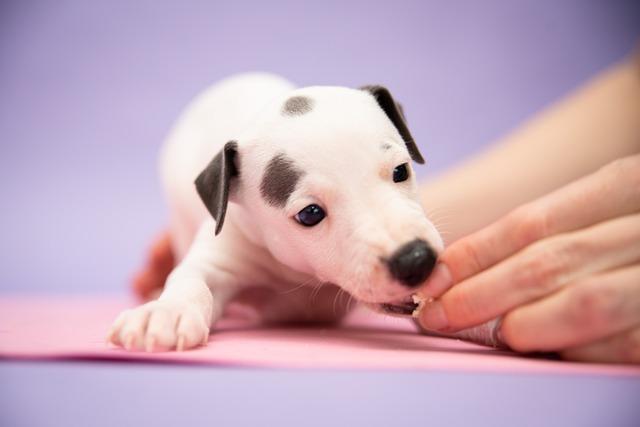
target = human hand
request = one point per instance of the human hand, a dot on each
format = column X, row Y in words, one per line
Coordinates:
column 563, row 272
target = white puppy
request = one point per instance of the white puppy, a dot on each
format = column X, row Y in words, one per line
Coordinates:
column 316, row 192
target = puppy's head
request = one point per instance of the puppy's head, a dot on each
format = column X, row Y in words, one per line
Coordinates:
column 325, row 181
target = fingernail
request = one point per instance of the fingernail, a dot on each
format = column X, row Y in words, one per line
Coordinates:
column 439, row 281
column 433, row 317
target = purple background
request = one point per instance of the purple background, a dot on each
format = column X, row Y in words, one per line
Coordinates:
column 89, row 89
column 151, row 395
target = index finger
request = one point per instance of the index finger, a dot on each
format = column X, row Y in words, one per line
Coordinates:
column 612, row 191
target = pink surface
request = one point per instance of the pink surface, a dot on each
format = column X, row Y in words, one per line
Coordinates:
column 75, row 327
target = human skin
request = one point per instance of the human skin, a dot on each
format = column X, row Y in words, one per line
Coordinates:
column 552, row 246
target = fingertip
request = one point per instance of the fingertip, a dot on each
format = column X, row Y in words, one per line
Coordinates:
column 438, row 283
column 432, row 317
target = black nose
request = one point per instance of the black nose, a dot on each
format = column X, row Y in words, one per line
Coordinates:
column 412, row 263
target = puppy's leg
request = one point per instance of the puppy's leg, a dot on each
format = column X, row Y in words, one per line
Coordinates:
column 193, row 299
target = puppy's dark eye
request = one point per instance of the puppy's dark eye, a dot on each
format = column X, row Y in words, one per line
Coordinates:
column 310, row 216
column 400, row 173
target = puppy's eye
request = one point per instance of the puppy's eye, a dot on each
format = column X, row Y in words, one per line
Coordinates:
column 400, row 173
column 310, row 216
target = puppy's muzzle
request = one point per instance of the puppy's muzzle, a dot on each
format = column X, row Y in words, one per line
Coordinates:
column 412, row 263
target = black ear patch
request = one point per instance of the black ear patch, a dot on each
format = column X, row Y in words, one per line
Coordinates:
column 393, row 110
column 213, row 182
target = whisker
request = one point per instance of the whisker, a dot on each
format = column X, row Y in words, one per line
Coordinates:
column 335, row 299
column 443, row 220
column 351, row 299
column 440, row 219
column 316, row 291
column 435, row 210
column 305, row 283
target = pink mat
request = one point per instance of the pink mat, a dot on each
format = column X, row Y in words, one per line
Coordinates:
column 74, row 328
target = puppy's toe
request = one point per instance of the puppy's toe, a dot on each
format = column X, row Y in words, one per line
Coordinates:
column 113, row 336
column 192, row 330
column 160, row 326
column 132, row 332
column 161, row 330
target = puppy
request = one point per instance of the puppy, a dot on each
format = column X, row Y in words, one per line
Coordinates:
column 282, row 198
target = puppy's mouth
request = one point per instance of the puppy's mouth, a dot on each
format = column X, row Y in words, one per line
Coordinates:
column 406, row 307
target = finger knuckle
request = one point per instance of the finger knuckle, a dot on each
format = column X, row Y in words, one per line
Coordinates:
column 539, row 271
column 530, row 223
column 625, row 167
column 468, row 252
column 627, row 170
column 573, row 246
column 548, row 265
column 591, row 308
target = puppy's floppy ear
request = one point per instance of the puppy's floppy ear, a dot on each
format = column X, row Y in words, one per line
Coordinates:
column 393, row 110
column 214, row 181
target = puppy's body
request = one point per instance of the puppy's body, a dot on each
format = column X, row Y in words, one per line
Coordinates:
column 281, row 151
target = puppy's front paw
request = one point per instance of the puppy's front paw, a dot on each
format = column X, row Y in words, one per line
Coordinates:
column 160, row 326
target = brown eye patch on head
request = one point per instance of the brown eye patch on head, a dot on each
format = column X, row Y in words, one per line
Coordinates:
column 279, row 180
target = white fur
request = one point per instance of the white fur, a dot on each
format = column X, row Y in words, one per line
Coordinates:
column 262, row 256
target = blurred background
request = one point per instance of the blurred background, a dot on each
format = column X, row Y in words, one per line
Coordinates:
column 89, row 89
